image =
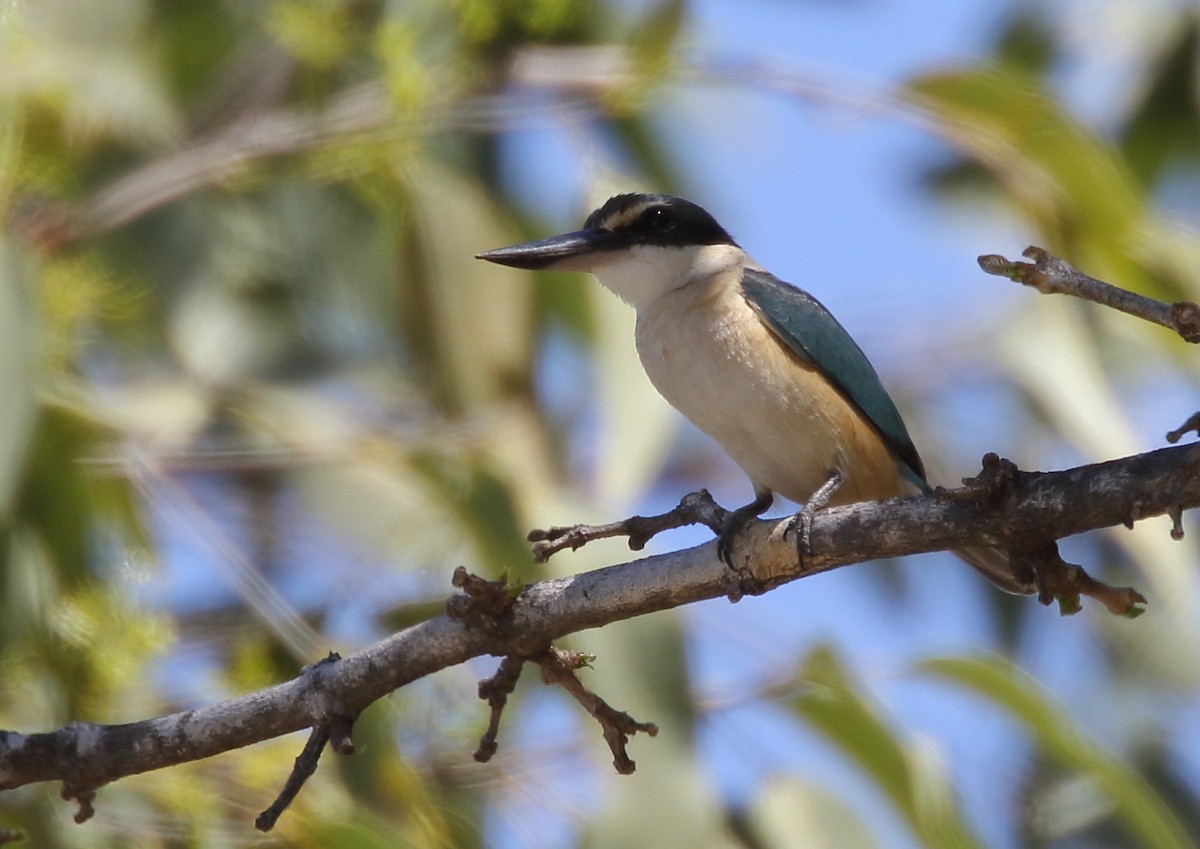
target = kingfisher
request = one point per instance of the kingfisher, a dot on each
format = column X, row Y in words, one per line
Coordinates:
column 758, row 364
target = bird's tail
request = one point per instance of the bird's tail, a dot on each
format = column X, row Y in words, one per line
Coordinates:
column 995, row 565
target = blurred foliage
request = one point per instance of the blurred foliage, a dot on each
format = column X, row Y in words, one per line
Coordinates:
column 242, row 333
column 1135, row 805
column 914, row 782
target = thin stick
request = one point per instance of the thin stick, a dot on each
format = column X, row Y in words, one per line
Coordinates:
column 1051, row 275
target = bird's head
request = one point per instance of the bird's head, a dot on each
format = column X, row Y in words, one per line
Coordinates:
column 638, row 245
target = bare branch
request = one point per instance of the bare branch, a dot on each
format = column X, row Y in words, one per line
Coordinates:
column 1034, row 507
column 1051, row 275
column 1065, row 582
column 558, row 667
column 484, row 604
column 1192, row 424
column 695, row 508
column 335, row 732
column 302, row 770
column 495, row 691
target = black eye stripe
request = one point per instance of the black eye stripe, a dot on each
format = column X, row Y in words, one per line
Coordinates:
column 656, row 219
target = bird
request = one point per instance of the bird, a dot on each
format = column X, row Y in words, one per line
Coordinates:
column 758, row 364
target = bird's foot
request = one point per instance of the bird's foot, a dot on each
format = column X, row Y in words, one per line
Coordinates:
column 801, row 523
column 736, row 521
column 740, row 582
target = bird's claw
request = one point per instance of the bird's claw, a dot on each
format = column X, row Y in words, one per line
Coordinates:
column 801, row 524
column 735, row 522
column 725, row 541
column 740, row 582
column 737, row 582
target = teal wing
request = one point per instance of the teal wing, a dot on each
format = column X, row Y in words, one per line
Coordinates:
column 803, row 324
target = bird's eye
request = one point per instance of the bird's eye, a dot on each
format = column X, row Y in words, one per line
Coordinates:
column 656, row 218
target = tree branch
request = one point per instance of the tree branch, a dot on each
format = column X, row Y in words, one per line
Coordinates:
column 695, row 508
column 302, row 770
column 558, row 667
column 495, row 691
column 1051, row 275
column 1028, row 508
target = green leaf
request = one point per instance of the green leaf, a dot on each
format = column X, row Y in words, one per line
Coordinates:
column 1075, row 187
column 482, row 502
column 911, row 776
column 474, row 323
column 652, row 41
column 62, row 501
column 1163, row 129
column 1150, row 822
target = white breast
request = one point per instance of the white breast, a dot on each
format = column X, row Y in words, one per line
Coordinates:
column 708, row 353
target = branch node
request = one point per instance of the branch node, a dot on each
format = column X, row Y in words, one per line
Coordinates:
column 1192, row 424
column 495, row 691
column 1000, row 266
column 695, row 508
column 995, row 486
column 332, row 657
column 482, row 602
column 1185, row 315
column 1039, row 274
column 558, row 668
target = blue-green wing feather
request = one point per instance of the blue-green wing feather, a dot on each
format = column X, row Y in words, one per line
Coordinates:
column 810, row 331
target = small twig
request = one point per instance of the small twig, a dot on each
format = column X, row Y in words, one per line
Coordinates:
column 558, row 668
column 8, row 835
column 482, row 602
column 1051, row 275
column 302, row 770
column 1176, row 514
column 335, row 731
column 1066, row 582
column 495, row 691
column 995, row 487
column 1192, row 423
column 696, row 508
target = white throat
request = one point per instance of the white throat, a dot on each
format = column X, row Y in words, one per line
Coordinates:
column 644, row 273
